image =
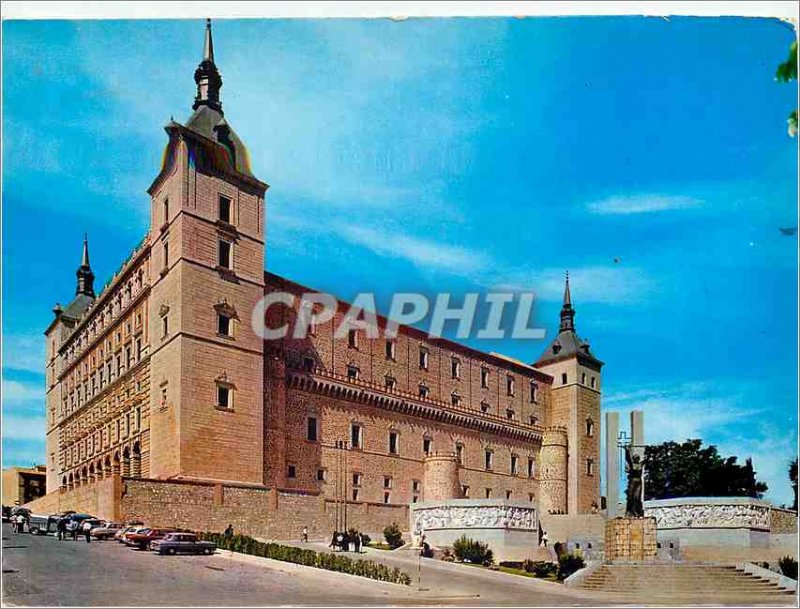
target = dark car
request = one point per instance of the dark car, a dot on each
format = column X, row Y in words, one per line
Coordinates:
column 182, row 543
column 142, row 539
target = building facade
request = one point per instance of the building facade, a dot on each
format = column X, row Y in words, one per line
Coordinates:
column 23, row 484
column 162, row 376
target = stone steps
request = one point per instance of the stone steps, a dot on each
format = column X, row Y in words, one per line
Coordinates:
column 712, row 583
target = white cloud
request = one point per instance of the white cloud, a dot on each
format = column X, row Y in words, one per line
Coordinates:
column 639, row 204
column 23, row 428
column 24, row 352
column 421, row 252
column 618, row 285
column 17, row 394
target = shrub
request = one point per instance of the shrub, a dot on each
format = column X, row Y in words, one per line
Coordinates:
column 470, row 550
column 309, row 558
column 568, row 564
column 393, row 536
column 788, row 566
column 540, row 568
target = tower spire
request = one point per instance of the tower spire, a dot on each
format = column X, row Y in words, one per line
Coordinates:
column 207, row 77
column 84, row 273
column 567, row 312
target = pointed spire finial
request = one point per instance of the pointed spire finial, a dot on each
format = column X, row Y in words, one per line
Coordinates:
column 84, row 273
column 208, row 46
column 567, row 312
column 207, row 77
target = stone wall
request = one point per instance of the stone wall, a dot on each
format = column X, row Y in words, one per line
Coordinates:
column 567, row 527
column 100, row 499
column 782, row 521
column 630, row 540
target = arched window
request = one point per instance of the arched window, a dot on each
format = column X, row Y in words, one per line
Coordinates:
column 136, row 464
column 589, row 427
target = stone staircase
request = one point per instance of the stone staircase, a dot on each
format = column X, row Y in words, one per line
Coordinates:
column 684, row 583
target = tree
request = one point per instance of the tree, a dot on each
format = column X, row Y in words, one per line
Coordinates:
column 691, row 470
column 787, row 72
column 793, row 480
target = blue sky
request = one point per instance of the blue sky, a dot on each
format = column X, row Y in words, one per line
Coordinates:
column 449, row 155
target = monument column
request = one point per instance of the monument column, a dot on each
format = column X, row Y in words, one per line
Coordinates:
column 612, row 465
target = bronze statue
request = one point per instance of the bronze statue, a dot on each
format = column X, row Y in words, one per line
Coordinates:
column 634, row 469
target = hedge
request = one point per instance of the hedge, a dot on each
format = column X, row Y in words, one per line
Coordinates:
column 309, row 558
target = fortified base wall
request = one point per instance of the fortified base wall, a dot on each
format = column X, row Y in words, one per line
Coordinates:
column 201, row 506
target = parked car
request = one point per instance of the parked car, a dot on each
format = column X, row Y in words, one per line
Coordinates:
column 182, row 543
column 122, row 536
column 106, row 530
column 142, row 540
column 40, row 524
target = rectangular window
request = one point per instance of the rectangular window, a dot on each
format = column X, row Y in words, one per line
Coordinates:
column 223, row 325
column 563, row 378
column 423, row 391
column 510, row 414
column 514, row 460
column 225, row 209
column 488, row 460
column 488, row 493
column 224, row 254
column 460, row 453
column 138, row 349
column 355, row 494
column 508, row 495
column 356, row 479
column 320, row 475
column 127, row 357
column 465, row 491
column 484, row 378
column 223, row 396
column 415, row 486
column 531, row 467
column 308, row 364
column 166, row 211
column 427, row 445
column 311, row 429
column 355, row 436
column 390, row 349
column 510, row 385
column 166, row 255
column 423, row 359
column 352, row 373
column 590, row 467
column 393, row 441
column 455, row 368
column 591, row 382
column 387, row 482
column 352, row 339
column 583, row 378
column 455, row 399
column 292, row 472
column 391, row 382
column 534, row 392
column 164, row 325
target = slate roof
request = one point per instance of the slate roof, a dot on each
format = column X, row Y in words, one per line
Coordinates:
column 210, row 123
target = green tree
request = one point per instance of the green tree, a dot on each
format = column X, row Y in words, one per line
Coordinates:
column 793, row 480
column 787, row 72
column 692, row 470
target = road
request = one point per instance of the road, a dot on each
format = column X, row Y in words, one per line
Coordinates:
column 44, row 571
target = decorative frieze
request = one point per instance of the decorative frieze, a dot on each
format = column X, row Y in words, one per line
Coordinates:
column 476, row 515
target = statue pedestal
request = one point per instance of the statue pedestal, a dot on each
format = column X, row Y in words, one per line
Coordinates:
column 631, row 539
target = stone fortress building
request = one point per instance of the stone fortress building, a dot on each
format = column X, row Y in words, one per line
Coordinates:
column 160, row 377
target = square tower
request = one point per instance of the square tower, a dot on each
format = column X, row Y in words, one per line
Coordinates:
column 575, row 405
column 207, row 266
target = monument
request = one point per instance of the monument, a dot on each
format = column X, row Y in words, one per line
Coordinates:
column 631, row 538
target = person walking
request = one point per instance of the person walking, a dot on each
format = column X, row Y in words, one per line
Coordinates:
column 228, row 532
column 87, row 531
column 305, row 534
column 333, row 540
column 61, row 527
column 20, row 523
column 72, row 527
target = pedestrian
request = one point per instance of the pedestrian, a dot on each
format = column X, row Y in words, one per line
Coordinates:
column 62, row 529
column 340, row 541
column 14, row 524
column 20, row 523
column 333, row 541
column 305, row 534
column 357, row 542
column 87, row 531
column 72, row 527
column 544, row 539
column 228, row 532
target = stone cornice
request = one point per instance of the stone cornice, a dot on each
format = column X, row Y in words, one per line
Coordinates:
column 341, row 387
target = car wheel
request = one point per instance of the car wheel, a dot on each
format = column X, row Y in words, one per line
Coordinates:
column 171, row 551
column 207, row 551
